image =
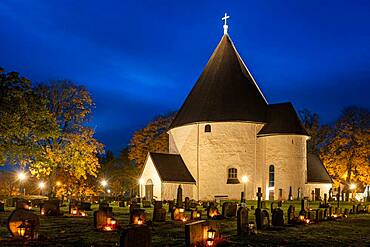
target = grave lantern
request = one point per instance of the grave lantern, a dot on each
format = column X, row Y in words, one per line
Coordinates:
column 42, row 212
column 23, row 229
column 211, row 236
column 182, row 210
column 83, row 214
column 140, row 221
column 113, row 223
column 301, row 218
column 184, row 219
column 307, row 221
column 74, row 211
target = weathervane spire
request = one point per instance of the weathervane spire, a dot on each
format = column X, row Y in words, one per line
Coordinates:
column 225, row 22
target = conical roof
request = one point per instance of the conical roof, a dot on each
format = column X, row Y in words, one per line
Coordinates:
column 225, row 91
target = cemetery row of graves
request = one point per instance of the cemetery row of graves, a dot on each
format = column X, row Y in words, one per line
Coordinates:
column 169, row 223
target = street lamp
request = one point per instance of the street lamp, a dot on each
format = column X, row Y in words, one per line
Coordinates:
column 22, row 176
column 41, row 186
column 104, row 183
column 245, row 180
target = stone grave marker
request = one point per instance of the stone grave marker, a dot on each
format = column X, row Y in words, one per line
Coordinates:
column 103, row 205
column 196, row 215
column 187, row 204
column 280, row 198
column 179, row 197
column 277, row 217
column 263, row 205
column 242, row 221
column 134, row 206
column 50, row 208
column 178, row 214
column 265, row 219
column 159, row 213
column 319, row 215
column 101, row 221
column 313, row 195
column 27, row 219
column 22, row 204
column 290, row 196
column 298, row 193
column 138, row 216
column 291, row 214
column 171, row 205
column 146, row 204
column 84, row 206
column 272, row 207
column 2, row 207
column 136, row 236
column 258, row 211
column 229, row 209
column 212, row 212
column 196, row 232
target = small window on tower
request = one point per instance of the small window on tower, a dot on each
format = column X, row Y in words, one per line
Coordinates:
column 232, row 176
column 207, row 128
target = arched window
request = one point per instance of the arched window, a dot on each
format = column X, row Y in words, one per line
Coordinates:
column 232, row 176
column 207, row 128
column 271, row 176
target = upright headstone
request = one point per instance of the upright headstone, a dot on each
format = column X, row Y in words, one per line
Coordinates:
column 229, row 209
column 242, row 221
column 50, row 208
column 277, row 217
column 242, row 197
column 313, row 195
column 325, row 200
column 272, row 207
column 159, row 213
column 2, row 207
column 290, row 197
column 135, row 236
column 187, row 204
column 280, row 198
column 179, row 197
column 101, row 218
column 265, row 219
column 171, row 205
column 291, row 214
column 303, row 207
column 298, row 193
column 330, row 194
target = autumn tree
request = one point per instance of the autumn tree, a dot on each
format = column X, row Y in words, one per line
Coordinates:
column 25, row 120
column 73, row 154
column 347, row 153
column 151, row 138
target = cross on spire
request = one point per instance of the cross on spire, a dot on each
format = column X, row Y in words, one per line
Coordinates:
column 225, row 22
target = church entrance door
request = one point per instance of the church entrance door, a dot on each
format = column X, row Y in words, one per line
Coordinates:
column 149, row 190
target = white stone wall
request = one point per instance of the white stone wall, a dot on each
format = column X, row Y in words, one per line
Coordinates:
column 150, row 172
column 324, row 189
column 169, row 191
column 288, row 154
column 229, row 144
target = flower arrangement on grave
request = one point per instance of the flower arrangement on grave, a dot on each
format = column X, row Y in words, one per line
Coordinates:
column 111, row 225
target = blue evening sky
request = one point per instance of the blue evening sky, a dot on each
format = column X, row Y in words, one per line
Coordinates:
column 141, row 58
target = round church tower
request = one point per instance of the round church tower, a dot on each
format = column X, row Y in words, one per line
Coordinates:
column 226, row 132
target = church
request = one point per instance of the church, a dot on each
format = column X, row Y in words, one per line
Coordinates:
column 227, row 139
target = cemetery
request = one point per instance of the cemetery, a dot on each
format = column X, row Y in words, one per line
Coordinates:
column 168, row 223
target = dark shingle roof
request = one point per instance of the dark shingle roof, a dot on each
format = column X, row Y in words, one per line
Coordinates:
column 225, row 91
column 171, row 168
column 282, row 119
column 316, row 171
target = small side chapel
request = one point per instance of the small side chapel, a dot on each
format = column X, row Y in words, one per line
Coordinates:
column 225, row 131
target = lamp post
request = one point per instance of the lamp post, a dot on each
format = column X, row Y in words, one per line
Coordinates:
column 41, row 186
column 22, row 177
column 245, row 180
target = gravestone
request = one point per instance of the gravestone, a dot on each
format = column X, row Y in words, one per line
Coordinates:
column 2, row 207
column 196, row 232
column 258, row 211
column 23, row 204
column 280, row 198
column 330, row 194
column 50, row 208
column 319, row 215
column 27, row 218
column 193, row 204
column 265, row 219
column 159, row 213
column 178, row 214
column 101, row 218
column 313, row 195
column 196, row 215
column 84, row 206
column 298, row 193
column 277, row 217
column 291, row 214
column 103, row 205
column 242, row 197
column 212, row 212
column 187, row 204
column 229, row 209
column 136, row 236
column 122, row 204
column 171, row 205
column 242, row 221
column 146, row 204
column 179, row 197
column 136, row 215
column 134, row 206
column 263, row 204
column 290, row 196
column 303, row 210
column 272, row 207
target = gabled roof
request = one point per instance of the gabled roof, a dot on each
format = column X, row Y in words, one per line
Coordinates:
column 225, row 91
column 316, row 171
column 282, row 119
column 171, row 168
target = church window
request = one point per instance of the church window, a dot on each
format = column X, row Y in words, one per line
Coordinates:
column 232, row 176
column 271, row 176
column 207, row 128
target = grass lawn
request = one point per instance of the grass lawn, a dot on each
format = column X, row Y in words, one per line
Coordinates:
column 74, row 231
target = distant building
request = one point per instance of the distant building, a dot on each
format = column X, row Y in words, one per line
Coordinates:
column 225, row 130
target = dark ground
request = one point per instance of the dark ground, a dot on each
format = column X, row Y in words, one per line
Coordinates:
column 74, row 231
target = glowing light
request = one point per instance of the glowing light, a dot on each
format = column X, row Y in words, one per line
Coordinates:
column 184, row 219
column 352, row 186
column 141, row 181
column 74, row 211
column 109, row 191
column 104, row 183
column 83, row 214
column 245, row 179
column 58, row 183
column 41, row 185
column 42, row 211
column 307, row 221
column 22, row 176
column 139, row 221
column 181, row 210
